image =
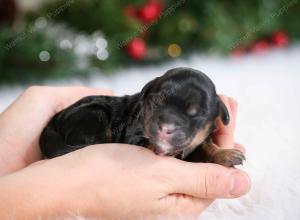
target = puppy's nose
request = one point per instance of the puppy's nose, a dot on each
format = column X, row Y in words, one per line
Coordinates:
column 166, row 130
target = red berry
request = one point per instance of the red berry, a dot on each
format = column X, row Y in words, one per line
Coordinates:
column 237, row 52
column 280, row 39
column 260, row 46
column 150, row 11
column 136, row 48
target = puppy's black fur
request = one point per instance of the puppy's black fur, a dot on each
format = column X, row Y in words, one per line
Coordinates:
column 173, row 115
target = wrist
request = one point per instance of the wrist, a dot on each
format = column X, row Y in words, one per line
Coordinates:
column 42, row 190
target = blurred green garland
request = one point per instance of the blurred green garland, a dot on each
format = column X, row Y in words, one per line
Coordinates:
column 213, row 26
column 20, row 57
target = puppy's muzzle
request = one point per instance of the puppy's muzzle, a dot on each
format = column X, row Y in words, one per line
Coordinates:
column 169, row 139
column 166, row 132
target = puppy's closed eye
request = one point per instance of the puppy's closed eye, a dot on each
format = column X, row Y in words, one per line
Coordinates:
column 193, row 110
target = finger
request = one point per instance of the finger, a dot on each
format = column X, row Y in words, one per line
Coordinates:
column 224, row 136
column 233, row 110
column 240, row 147
column 231, row 105
column 220, row 125
column 204, row 180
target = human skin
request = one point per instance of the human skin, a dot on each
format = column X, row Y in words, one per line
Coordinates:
column 109, row 181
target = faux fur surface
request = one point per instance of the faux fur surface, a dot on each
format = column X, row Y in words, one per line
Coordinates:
column 267, row 88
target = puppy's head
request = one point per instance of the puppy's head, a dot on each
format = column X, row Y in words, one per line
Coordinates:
column 180, row 109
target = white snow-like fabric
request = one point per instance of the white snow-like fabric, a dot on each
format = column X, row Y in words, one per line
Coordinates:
column 267, row 88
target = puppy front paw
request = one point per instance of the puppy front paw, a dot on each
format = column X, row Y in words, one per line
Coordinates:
column 228, row 157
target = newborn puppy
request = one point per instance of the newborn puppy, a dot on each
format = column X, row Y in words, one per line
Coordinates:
column 173, row 115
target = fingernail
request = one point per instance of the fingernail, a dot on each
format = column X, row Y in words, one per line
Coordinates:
column 240, row 184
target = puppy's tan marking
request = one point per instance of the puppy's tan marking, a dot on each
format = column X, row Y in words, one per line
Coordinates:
column 225, row 157
column 150, row 146
column 200, row 136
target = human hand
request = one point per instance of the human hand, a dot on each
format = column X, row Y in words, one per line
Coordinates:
column 112, row 181
column 115, row 181
column 22, row 122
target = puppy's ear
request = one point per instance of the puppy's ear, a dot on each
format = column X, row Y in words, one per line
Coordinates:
column 146, row 89
column 223, row 113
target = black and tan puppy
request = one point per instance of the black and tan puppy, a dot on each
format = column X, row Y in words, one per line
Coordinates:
column 173, row 115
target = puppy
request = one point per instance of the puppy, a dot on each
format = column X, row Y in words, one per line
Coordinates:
column 173, row 115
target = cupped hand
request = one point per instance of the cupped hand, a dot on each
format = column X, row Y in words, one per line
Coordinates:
column 111, row 181
column 116, row 181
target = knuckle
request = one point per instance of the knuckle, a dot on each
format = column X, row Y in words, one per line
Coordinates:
column 209, row 183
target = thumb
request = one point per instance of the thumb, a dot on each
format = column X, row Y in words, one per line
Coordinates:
column 205, row 180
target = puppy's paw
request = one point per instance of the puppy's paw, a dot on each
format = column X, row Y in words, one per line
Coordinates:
column 228, row 157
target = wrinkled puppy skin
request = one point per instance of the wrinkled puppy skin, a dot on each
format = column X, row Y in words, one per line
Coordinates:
column 173, row 115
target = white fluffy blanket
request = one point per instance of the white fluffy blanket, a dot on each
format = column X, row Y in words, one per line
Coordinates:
column 267, row 88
